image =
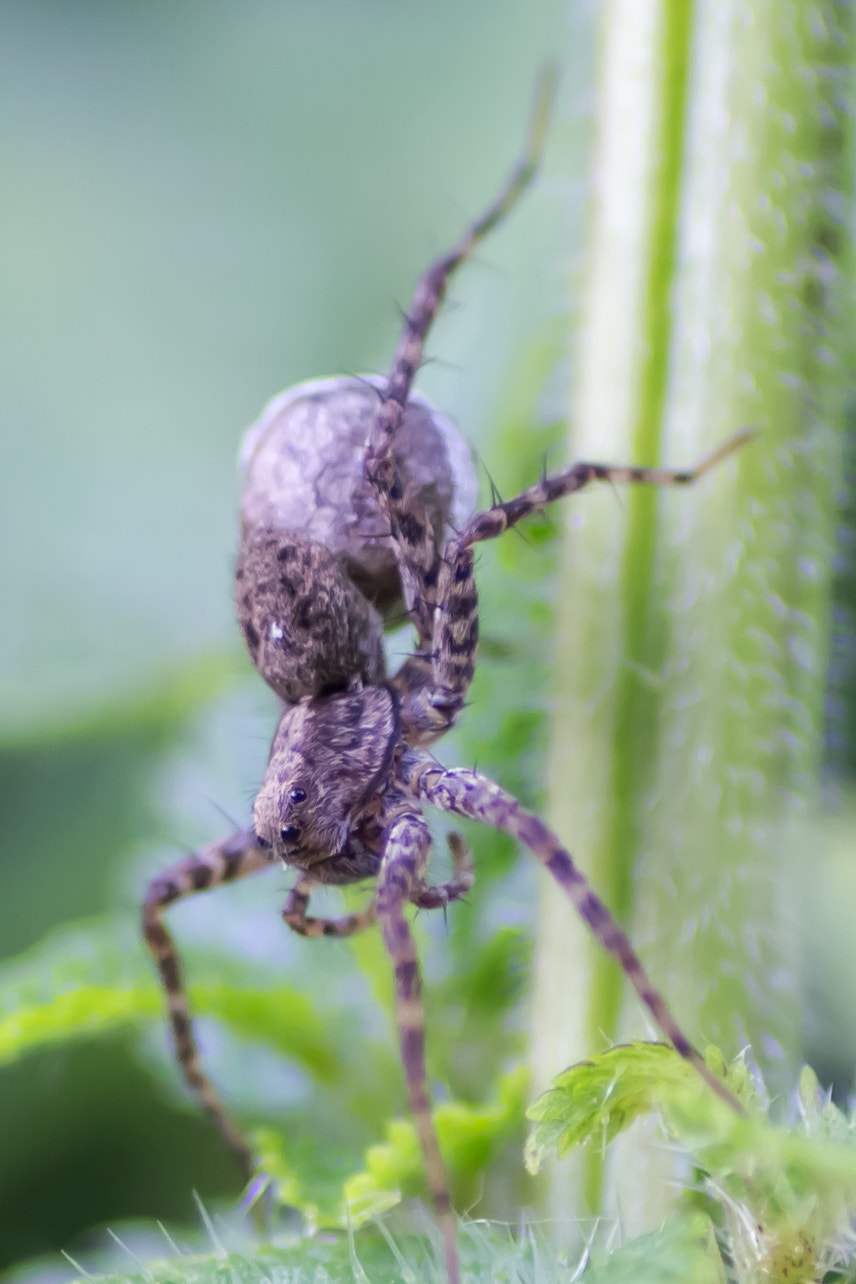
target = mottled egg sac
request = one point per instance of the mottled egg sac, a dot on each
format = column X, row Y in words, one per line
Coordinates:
column 317, row 578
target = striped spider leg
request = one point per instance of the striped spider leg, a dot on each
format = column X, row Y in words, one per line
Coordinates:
column 224, row 862
column 432, row 689
column 241, row 854
column 409, row 525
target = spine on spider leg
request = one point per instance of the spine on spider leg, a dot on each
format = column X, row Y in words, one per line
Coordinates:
column 691, row 628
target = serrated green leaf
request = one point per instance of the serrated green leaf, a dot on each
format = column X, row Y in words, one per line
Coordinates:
column 325, row 1261
column 788, row 1193
column 600, row 1098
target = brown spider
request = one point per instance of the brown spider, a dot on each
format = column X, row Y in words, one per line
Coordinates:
column 349, row 770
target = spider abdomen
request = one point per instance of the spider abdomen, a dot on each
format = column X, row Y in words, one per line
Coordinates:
column 308, row 628
column 303, row 472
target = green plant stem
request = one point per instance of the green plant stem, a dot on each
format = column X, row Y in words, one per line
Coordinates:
column 692, row 627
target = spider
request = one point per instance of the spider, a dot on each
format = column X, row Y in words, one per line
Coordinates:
column 350, row 770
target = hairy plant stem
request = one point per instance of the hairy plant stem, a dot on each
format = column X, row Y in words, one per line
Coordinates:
column 692, row 628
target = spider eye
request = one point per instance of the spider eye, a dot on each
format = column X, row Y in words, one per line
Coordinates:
column 289, row 833
column 261, row 842
column 297, row 795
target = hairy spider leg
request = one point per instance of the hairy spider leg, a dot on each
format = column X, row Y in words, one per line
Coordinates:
column 402, row 880
column 429, row 896
column 403, row 865
column 235, row 857
column 297, row 919
column 409, row 524
column 468, row 793
column 456, row 618
column 453, row 662
column 493, row 521
column 432, row 686
column 440, row 895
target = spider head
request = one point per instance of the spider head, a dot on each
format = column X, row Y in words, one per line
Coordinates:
column 330, row 758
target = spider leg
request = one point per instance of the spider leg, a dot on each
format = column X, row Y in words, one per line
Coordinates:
column 468, row 793
column 233, row 858
column 297, row 919
column 440, row 895
column 431, row 710
column 493, row 521
column 404, row 860
column 411, row 530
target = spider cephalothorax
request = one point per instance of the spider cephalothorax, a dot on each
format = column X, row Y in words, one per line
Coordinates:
column 329, row 765
column 348, row 775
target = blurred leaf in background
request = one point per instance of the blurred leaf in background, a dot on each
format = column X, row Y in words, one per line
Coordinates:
column 202, row 205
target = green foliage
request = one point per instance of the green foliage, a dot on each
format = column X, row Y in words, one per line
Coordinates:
column 682, row 1251
column 784, row 1195
column 678, row 1253
column 470, row 1138
column 602, row 1097
column 321, row 1262
column 60, row 991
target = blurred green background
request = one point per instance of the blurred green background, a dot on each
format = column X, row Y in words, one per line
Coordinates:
column 203, row 204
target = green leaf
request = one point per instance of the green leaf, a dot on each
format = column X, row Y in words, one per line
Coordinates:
column 97, row 979
column 602, row 1097
column 470, row 1139
column 306, row 1262
column 683, row 1251
column 491, row 982
column 788, row 1194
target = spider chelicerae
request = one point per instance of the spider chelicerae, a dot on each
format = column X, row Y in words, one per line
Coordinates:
column 350, row 769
